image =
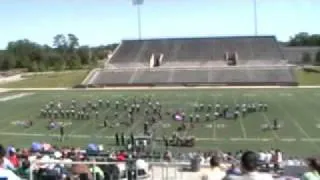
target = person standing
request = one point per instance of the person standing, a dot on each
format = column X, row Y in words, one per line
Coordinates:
column 215, row 172
column 61, row 133
column 5, row 173
column 249, row 165
column 314, row 172
column 122, row 139
column 117, row 139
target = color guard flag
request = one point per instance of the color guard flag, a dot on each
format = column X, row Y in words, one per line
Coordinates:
column 137, row 2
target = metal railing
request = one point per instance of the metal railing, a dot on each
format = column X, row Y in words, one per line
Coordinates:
column 155, row 171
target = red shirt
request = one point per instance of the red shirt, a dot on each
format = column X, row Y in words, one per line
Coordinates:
column 14, row 160
column 121, row 157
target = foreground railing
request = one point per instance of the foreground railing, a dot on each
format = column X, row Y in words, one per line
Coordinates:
column 128, row 170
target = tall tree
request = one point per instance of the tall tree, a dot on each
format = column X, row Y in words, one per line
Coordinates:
column 65, row 53
column 85, row 54
column 60, row 43
column 73, row 42
column 74, row 62
column 305, row 39
column 8, row 61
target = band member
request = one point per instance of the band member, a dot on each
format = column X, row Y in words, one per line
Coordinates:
column 97, row 114
column 61, row 133
column 275, row 124
column 145, row 128
column 117, row 104
column 117, row 139
column 122, row 139
column 132, row 139
column 207, row 117
column 197, row 117
column 209, row 108
column 107, row 103
column 105, row 123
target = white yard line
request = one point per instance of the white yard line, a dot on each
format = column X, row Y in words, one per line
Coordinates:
column 311, row 102
column 223, row 140
column 294, row 121
column 298, row 126
column 267, row 120
column 132, row 127
column 214, row 129
column 243, row 129
column 107, row 112
column 81, row 136
column 14, row 96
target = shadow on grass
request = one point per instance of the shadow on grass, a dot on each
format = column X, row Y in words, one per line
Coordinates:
column 311, row 70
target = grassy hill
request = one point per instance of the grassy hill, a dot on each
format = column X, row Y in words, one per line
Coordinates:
column 49, row 80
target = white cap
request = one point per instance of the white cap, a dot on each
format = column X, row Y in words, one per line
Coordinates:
column 57, row 154
column 100, row 147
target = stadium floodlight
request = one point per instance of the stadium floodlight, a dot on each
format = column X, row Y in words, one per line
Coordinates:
column 138, row 3
column 255, row 17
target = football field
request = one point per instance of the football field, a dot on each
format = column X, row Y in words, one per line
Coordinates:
column 297, row 109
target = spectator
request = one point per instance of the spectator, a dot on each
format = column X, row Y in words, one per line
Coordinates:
column 215, row 172
column 249, row 165
column 96, row 170
column 5, row 173
column 314, row 173
column 277, row 160
column 81, row 170
column 24, row 170
column 167, row 156
column 234, row 170
column 262, row 157
column 12, row 157
column 268, row 159
column 121, row 156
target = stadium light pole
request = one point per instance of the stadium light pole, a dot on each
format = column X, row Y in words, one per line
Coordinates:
column 139, row 21
column 138, row 3
column 255, row 17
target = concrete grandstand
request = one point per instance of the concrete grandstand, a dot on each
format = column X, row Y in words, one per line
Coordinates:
column 243, row 60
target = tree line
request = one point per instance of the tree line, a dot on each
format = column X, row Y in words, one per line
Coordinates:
column 65, row 53
column 306, row 39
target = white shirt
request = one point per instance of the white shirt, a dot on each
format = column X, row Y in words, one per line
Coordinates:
column 5, row 173
column 7, row 164
column 279, row 159
column 268, row 157
column 252, row 176
column 262, row 156
column 290, row 163
column 213, row 174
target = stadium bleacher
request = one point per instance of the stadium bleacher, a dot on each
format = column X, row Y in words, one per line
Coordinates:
column 294, row 54
column 194, row 61
column 201, row 49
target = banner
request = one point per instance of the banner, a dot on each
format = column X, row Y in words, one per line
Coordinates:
column 137, row 2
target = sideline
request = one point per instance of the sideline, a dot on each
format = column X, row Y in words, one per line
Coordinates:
column 159, row 88
column 224, row 140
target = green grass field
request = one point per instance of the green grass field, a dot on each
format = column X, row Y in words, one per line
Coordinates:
column 50, row 80
column 308, row 78
column 297, row 109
